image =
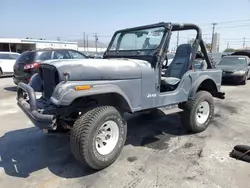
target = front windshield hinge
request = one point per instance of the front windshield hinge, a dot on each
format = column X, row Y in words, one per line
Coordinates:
column 157, row 86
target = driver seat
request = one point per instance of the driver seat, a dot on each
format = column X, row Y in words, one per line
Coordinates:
column 178, row 67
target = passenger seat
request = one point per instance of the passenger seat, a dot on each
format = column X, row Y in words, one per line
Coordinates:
column 178, row 67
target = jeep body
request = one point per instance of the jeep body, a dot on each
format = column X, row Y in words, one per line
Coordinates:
column 127, row 78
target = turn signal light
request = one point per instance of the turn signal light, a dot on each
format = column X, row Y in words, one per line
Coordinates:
column 86, row 87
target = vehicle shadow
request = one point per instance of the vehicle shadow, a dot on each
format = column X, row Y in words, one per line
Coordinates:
column 12, row 88
column 230, row 83
column 6, row 76
column 153, row 130
column 28, row 150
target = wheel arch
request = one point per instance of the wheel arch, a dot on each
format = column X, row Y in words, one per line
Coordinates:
column 111, row 98
column 65, row 95
column 205, row 83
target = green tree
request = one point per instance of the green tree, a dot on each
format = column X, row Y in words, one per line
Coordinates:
column 230, row 50
column 207, row 45
column 191, row 41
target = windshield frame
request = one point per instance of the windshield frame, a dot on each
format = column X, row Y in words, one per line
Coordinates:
column 125, row 31
column 233, row 58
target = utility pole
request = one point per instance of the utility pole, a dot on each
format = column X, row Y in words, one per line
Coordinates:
column 87, row 43
column 218, row 45
column 228, row 45
column 212, row 43
column 84, row 41
column 244, row 42
column 96, row 40
column 178, row 37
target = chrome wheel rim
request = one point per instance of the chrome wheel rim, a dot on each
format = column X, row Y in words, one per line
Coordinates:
column 107, row 137
column 202, row 112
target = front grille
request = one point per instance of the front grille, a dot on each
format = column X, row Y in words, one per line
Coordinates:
column 50, row 78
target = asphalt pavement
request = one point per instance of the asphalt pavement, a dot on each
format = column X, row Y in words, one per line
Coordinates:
column 158, row 151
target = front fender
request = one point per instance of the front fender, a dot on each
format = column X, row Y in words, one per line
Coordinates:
column 65, row 93
column 198, row 82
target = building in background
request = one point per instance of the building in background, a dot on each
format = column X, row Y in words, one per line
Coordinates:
column 91, row 47
column 216, row 43
column 21, row 45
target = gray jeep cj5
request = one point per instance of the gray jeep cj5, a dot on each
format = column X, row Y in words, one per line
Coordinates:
column 89, row 97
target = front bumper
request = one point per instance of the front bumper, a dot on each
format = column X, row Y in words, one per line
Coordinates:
column 17, row 80
column 29, row 107
column 234, row 78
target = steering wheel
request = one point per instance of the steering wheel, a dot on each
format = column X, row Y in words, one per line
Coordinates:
column 165, row 63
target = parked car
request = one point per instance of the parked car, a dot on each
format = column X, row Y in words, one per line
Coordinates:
column 27, row 63
column 94, row 55
column 7, row 61
column 235, row 68
column 91, row 97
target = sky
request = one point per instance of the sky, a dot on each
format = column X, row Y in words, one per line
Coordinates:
column 68, row 19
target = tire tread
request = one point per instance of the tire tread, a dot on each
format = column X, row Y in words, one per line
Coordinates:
column 188, row 111
column 80, row 133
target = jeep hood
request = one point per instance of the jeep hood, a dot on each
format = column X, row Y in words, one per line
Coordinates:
column 98, row 69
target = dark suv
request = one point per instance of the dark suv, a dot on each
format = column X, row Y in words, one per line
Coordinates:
column 27, row 63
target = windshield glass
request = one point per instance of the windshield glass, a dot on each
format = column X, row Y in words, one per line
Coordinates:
column 8, row 56
column 233, row 61
column 143, row 39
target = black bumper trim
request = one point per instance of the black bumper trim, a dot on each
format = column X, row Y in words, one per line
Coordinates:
column 220, row 95
column 42, row 121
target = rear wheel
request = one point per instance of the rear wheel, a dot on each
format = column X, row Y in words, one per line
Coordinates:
column 1, row 72
column 98, row 136
column 198, row 112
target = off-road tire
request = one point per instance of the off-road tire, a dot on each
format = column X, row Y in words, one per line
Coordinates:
column 1, row 72
column 82, row 139
column 188, row 115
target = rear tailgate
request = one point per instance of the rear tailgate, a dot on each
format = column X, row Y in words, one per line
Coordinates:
column 23, row 59
column 30, row 59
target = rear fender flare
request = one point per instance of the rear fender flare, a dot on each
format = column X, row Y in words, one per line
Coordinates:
column 198, row 82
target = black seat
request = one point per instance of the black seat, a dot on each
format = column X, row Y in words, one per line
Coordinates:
column 178, row 67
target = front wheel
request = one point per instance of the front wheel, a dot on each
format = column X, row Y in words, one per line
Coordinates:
column 98, row 136
column 198, row 112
